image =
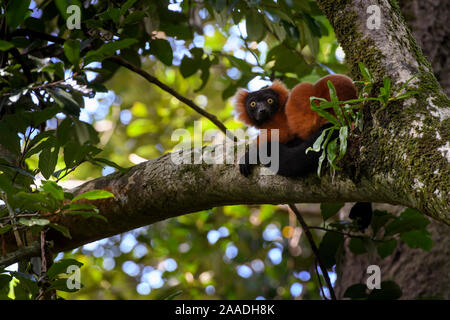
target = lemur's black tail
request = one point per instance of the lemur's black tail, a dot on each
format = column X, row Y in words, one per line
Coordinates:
column 362, row 213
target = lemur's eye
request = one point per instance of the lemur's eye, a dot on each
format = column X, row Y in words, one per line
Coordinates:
column 253, row 104
column 270, row 101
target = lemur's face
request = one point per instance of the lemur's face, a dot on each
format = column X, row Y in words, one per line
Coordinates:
column 261, row 105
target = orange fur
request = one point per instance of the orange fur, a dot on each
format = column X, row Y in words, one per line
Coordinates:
column 278, row 121
column 242, row 114
column 302, row 121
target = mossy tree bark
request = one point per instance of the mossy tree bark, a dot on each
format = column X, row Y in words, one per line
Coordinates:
column 420, row 274
column 405, row 148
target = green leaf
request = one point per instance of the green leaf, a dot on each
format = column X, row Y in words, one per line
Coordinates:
column 173, row 295
column 332, row 153
column 407, row 82
column 66, row 101
column 318, row 143
column 5, row 229
column 205, row 75
column 277, row 29
column 61, row 267
column 47, row 160
column 406, row 95
column 134, row 17
column 36, row 197
column 27, row 285
column 357, row 246
column 6, row 184
column 114, row 14
column 188, row 67
column 287, row 61
column 131, row 56
column 417, row 239
column 311, row 39
column 387, row 86
column 365, row 72
column 108, row 49
column 218, row 5
column 29, row 222
column 343, row 134
column 323, row 113
column 109, row 163
column 93, row 195
column 72, row 51
column 127, row 5
column 333, row 93
column 329, row 247
column 85, row 133
column 330, row 209
column 386, row 248
column 379, row 220
column 87, row 214
column 61, row 285
column 62, row 229
column 39, row 117
column 409, row 220
column 356, row 291
column 9, row 139
column 335, row 102
column 254, row 23
column 74, row 154
column 162, row 50
column 321, row 158
column 53, row 189
column 62, row 6
column 83, row 206
column 16, row 12
column 389, row 291
column 64, row 130
column 4, row 281
column 5, row 45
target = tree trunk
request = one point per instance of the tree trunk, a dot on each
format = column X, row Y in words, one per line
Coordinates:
column 428, row 21
column 420, row 274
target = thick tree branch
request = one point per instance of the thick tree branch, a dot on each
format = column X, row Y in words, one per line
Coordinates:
column 32, row 250
column 160, row 189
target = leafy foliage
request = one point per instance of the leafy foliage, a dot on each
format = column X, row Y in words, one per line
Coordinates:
column 347, row 116
column 385, row 232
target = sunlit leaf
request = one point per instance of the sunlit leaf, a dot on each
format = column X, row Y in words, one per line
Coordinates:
column 94, row 195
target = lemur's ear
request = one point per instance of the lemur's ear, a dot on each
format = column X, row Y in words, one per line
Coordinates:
column 282, row 92
column 239, row 102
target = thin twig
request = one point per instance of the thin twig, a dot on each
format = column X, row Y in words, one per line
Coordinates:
column 43, row 277
column 174, row 93
column 314, row 248
column 42, row 86
column 68, row 171
column 37, row 34
column 316, row 268
column 345, row 233
column 13, row 223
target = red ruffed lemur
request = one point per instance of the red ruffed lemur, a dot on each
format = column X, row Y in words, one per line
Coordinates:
column 299, row 126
